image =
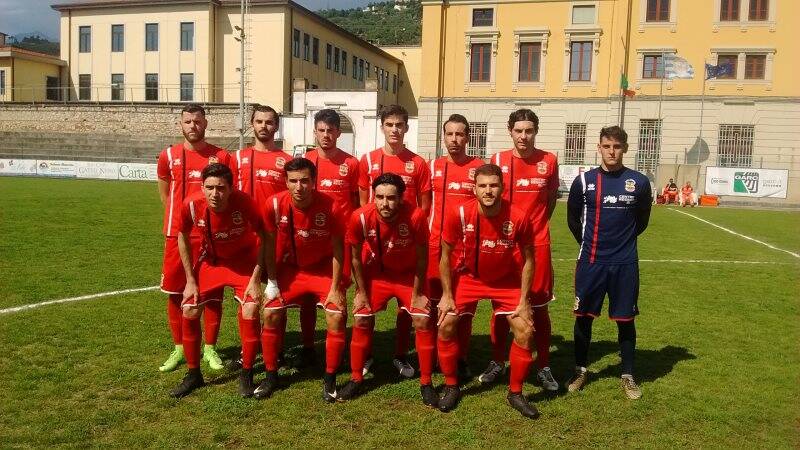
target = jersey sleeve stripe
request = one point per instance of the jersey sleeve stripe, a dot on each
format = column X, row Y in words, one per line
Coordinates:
column 171, row 191
column 239, row 167
column 277, row 213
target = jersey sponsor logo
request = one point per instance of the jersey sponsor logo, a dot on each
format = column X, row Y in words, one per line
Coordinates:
column 303, row 233
column 508, row 227
column 402, row 229
column 471, row 174
column 492, row 243
column 320, row 219
column 590, row 187
column 626, row 198
column 280, row 162
column 541, row 167
column 488, row 243
column 343, row 170
column 326, row 183
column 407, row 180
column 221, row 235
column 630, row 185
column 454, row 185
column 195, row 174
column 523, row 182
column 409, row 167
column 610, row 199
column 236, row 217
column 212, row 160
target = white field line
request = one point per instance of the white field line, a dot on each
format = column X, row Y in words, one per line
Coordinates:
column 694, row 261
column 737, row 234
column 75, row 299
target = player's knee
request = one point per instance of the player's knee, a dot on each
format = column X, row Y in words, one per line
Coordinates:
column 336, row 321
column 250, row 311
column 192, row 312
column 447, row 329
column 272, row 318
column 523, row 335
column 363, row 322
column 421, row 322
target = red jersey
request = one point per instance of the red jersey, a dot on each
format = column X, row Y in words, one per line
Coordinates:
column 304, row 236
column 338, row 178
column 391, row 246
column 686, row 190
column 182, row 169
column 499, row 239
column 228, row 234
column 529, row 183
column 452, row 185
column 260, row 174
column 407, row 164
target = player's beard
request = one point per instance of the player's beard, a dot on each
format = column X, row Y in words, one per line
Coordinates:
column 265, row 138
column 199, row 137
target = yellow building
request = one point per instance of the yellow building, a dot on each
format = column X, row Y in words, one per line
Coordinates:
column 28, row 76
column 564, row 59
column 189, row 50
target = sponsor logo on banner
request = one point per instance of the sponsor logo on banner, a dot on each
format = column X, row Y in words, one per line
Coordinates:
column 568, row 172
column 745, row 182
column 137, row 171
column 56, row 168
column 97, row 170
column 17, row 167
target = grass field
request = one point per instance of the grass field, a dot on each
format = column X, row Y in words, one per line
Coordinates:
column 717, row 359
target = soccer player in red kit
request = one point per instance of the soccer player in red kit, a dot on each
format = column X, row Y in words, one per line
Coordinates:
column 179, row 176
column 390, row 257
column 394, row 157
column 229, row 225
column 453, row 182
column 337, row 176
column 531, row 179
column 491, row 231
column 305, row 246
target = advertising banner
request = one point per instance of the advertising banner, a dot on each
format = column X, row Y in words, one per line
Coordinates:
column 567, row 173
column 97, row 170
column 49, row 168
column 137, row 171
column 746, row 182
column 17, row 167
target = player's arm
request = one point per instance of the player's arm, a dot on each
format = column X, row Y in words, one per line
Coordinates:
column 336, row 296
column 418, row 299
column 163, row 190
column 363, row 196
column 360, row 300
column 425, row 188
column 644, row 205
column 254, row 286
column 185, row 250
column 447, row 303
column 355, row 199
column 272, row 290
column 424, row 200
column 552, row 194
column 523, row 310
column 574, row 209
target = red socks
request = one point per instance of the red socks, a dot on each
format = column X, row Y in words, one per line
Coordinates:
column 360, row 346
column 521, row 361
column 191, row 341
column 542, row 330
column 464, row 335
column 499, row 335
column 271, row 343
column 425, row 341
column 448, row 360
column 175, row 317
column 334, row 348
column 308, row 323
column 403, row 330
column 249, row 334
column 212, row 315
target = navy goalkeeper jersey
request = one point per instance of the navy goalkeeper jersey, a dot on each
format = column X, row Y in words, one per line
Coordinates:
column 606, row 211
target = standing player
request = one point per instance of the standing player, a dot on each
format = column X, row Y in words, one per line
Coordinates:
column 179, row 176
column 337, row 176
column 229, row 224
column 531, row 179
column 394, row 157
column 390, row 257
column 453, row 182
column 608, row 208
column 490, row 231
column 304, row 265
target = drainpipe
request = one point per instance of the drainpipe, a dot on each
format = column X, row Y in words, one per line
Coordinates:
column 440, row 87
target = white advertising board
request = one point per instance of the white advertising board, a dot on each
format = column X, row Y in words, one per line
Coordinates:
column 746, row 182
column 568, row 172
column 79, row 169
column 53, row 168
column 17, row 167
column 97, row 170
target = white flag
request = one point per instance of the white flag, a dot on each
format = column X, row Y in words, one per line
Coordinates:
column 677, row 67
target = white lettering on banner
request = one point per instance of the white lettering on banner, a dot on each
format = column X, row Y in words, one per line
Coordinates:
column 17, row 167
column 50, row 168
column 79, row 169
column 567, row 173
column 138, row 171
column 97, row 170
column 747, row 182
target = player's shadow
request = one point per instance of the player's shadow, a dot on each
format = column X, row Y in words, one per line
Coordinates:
column 650, row 364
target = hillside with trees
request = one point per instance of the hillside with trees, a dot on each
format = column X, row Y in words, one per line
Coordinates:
column 396, row 22
column 37, row 44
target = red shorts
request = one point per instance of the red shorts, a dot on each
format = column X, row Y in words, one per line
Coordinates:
column 432, row 280
column 212, row 279
column 173, row 278
column 299, row 286
column 381, row 290
column 542, row 283
column 503, row 293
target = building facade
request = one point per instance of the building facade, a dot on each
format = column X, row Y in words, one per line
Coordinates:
column 28, row 76
column 565, row 60
column 189, row 50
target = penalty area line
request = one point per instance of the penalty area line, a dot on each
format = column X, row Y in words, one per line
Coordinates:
column 737, row 234
column 75, row 299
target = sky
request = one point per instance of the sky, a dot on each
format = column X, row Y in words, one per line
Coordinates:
column 26, row 16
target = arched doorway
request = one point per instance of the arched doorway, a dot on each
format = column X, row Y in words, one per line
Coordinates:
column 347, row 140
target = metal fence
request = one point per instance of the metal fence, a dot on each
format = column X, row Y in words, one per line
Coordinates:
column 122, row 93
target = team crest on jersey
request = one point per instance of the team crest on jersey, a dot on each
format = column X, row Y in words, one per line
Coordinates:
column 402, row 229
column 236, row 217
column 508, row 227
column 409, row 166
column 343, row 170
column 630, row 185
column 212, row 160
column 320, row 219
column 471, row 174
column 279, row 162
column 541, row 167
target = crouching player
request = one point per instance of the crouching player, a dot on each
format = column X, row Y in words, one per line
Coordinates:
column 393, row 264
column 490, row 231
column 230, row 223
column 304, row 264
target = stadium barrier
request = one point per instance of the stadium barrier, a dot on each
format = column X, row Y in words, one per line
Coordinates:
column 79, row 169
